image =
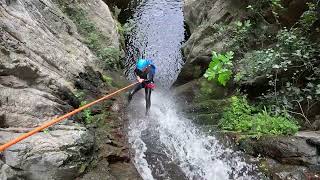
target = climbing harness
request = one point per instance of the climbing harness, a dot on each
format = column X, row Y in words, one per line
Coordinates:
column 151, row 86
column 56, row 120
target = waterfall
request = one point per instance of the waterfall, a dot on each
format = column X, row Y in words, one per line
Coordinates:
column 166, row 144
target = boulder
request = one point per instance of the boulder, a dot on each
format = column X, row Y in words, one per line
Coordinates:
column 200, row 90
column 197, row 12
column 58, row 153
column 279, row 171
column 293, row 150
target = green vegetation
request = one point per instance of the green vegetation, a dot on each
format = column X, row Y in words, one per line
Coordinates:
column 79, row 95
column 220, row 68
column 290, row 66
column 46, row 131
column 309, row 17
column 95, row 40
column 107, row 80
column 282, row 63
column 244, row 118
column 237, row 33
column 86, row 114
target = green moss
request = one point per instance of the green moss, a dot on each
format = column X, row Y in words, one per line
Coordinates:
column 208, row 119
column 209, row 90
column 83, row 168
column 209, row 106
column 121, row 31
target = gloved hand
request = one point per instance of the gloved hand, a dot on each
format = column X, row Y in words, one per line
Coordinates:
column 140, row 80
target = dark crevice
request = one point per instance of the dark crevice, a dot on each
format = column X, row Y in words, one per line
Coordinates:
column 3, row 123
column 187, row 32
column 112, row 159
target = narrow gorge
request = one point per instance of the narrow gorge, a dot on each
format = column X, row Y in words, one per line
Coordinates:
column 237, row 93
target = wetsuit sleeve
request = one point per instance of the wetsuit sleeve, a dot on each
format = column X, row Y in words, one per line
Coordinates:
column 138, row 73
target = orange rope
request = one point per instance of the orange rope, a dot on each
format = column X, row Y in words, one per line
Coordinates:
column 56, row 120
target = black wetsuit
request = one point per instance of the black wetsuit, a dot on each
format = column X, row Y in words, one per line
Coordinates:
column 147, row 75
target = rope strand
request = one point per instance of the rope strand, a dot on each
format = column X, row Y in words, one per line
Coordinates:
column 56, row 120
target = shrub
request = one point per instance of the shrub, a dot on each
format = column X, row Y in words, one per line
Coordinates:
column 220, row 68
column 241, row 117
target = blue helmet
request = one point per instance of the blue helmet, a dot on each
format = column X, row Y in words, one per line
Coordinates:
column 143, row 63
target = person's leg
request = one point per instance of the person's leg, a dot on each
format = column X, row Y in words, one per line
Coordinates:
column 148, row 99
column 134, row 90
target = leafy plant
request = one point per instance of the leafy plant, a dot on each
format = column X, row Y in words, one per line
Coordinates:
column 220, row 68
column 244, row 118
column 46, row 131
column 309, row 17
column 87, row 114
column 258, row 7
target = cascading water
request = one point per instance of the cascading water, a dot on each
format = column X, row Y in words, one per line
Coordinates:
column 169, row 146
column 166, row 144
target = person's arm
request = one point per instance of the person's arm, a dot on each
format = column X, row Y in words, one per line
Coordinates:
column 140, row 80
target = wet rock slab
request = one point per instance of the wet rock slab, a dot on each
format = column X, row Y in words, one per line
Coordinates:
column 296, row 157
column 56, row 154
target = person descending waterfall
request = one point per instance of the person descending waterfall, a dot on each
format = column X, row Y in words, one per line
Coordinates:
column 145, row 71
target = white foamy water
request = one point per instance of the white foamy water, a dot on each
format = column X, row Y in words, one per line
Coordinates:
column 196, row 154
column 166, row 144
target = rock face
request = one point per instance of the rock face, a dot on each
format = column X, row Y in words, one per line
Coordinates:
column 43, row 62
column 99, row 14
column 298, row 155
column 111, row 157
column 205, row 17
column 40, row 58
column 57, row 154
column 200, row 17
column 294, row 150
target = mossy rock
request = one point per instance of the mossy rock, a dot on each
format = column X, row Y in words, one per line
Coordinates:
column 201, row 90
column 209, row 90
column 207, row 119
column 209, row 106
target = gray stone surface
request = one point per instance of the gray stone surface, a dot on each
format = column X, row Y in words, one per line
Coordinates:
column 56, row 154
column 100, row 15
column 6, row 172
column 39, row 59
column 293, row 150
column 42, row 62
column 201, row 16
